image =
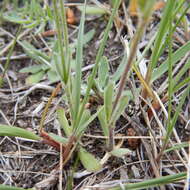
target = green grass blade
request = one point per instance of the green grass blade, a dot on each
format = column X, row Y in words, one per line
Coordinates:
column 11, row 52
column 184, row 69
column 119, row 109
column 6, row 187
column 159, row 39
column 181, row 84
column 174, row 119
column 85, row 124
column 177, row 147
column 108, row 100
column 154, row 182
column 103, row 122
column 116, row 76
column 170, row 86
column 177, row 55
column 64, row 74
column 60, row 139
column 6, row 130
column 79, row 61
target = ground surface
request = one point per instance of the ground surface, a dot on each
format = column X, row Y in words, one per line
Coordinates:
column 25, row 164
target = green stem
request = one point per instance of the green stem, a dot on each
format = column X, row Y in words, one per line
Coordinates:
column 60, row 38
column 154, row 182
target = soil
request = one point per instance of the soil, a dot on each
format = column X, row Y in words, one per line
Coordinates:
column 27, row 164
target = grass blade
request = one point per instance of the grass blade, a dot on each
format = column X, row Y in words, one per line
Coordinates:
column 108, row 100
column 6, row 130
column 159, row 39
column 175, row 57
column 154, row 182
column 79, row 61
column 6, row 187
column 103, row 122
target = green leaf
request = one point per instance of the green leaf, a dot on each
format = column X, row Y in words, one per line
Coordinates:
column 87, row 37
column 64, row 122
column 120, row 152
column 6, row 130
column 182, row 71
column 35, row 78
column 34, row 53
column 153, row 182
column 1, row 81
column 103, row 122
column 93, row 10
column 108, row 98
column 53, row 76
column 177, row 55
column 85, row 117
column 120, row 69
column 181, row 84
column 103, row 72
column 15, row 18
column 161, row 36
column 57, row 138
column 177, row 147
column 6, row 187
column 84, row 125
column 89, row 161
column 31, row 69
column 119, row 109
column 79, row 62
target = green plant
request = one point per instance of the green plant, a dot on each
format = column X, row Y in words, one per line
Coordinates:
column 30, row 15
column 74, row 118
column 80, row 117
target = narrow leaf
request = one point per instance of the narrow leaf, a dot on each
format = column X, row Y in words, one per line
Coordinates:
column 82, row 127
column 57, row 138
column 153, row 182
column 6, row 130
column 108, row 98
column 79, row 62
column 31, row 69
column 103, row 122
column 103, row 72
column 119, row 109
column 64, row 122
column 6, row 187
column 177, row 55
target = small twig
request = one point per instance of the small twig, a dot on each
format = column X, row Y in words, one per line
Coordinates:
column 54, row 93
